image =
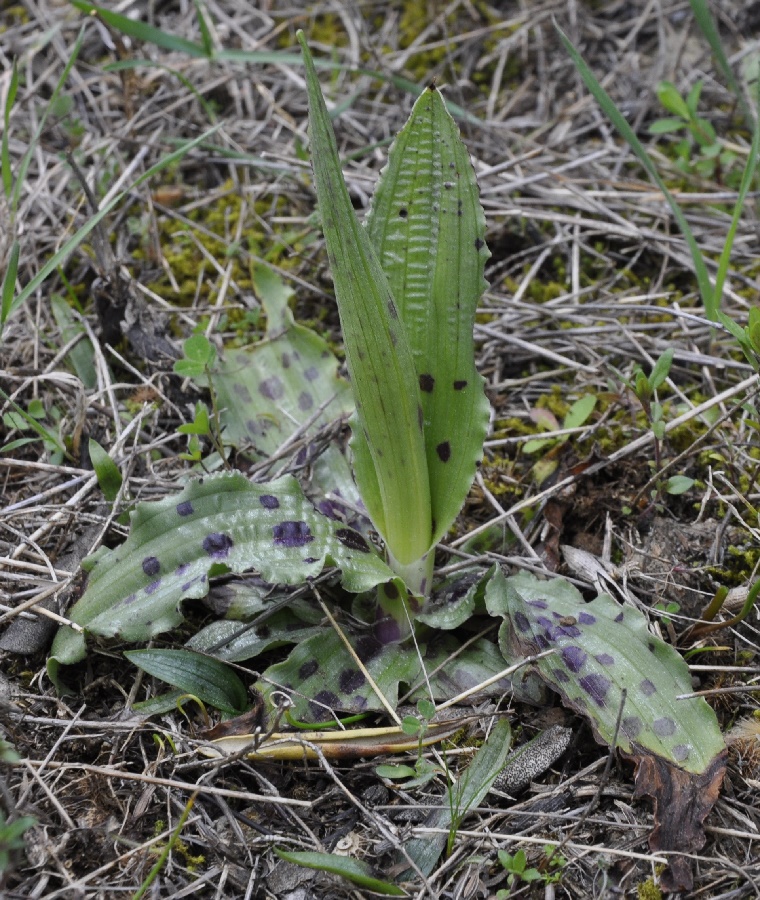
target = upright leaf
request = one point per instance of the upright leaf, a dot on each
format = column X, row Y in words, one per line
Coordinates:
column 393, row 471
column 428, row 229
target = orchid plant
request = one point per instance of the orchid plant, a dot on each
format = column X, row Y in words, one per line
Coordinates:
column 407, row 283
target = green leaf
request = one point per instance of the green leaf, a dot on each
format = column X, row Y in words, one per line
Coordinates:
column 666, row 126
column 467, row 793
column 81, row 356
column 5, row 159
column 391, row 469
column 353, row 870
column 200, row 354
column 106, row 470
column 580, row 411
column 9, row 284
column 217, row 522
column 661, row 369
column 692, row 98
column 210, row 680
column 678, row 484
column 602, row 649
column 670, row 97
column 428, row 229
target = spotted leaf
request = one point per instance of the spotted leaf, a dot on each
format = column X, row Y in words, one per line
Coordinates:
column 216, row 524
column 602, row 648
column 428, row 229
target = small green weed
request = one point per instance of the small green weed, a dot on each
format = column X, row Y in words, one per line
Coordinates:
column 549, row 870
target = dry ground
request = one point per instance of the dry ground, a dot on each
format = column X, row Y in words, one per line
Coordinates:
column 588, row 271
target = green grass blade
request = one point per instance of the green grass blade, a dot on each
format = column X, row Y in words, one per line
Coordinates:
column 354, row 870
column 709, row 298
column 141, row 31
column 703, row 18
column 61, row 255
column 9, row 285
column 393, row 472
column 748, row 177
column 5, row 160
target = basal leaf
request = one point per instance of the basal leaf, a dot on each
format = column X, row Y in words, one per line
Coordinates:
column 208, row 679
column 267, row 392
column 393, row 477
column 428, row 229
column 218, row 523
column 603, row 648
column 353, row 870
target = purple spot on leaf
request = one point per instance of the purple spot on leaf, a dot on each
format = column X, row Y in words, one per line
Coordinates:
column 151, row 565
column 538, row 604
column 647, row 688
column 387, row 631
column 619, row 617
column 185, row 509
column 391, row 591
column 352, row 539
column 292, row 534
column 308, row 669
column 479, row 244
column 269, row 502
column 305, row 401
column 153, row 586
column 242, row 391
column 285, row 360
column 604, row 659
column 217, row 545
column 181, row 569
column 322, row 704
column 573, row 657
column 311, row 559
column 631, row 726
column 350, row 680
column 585, row 618
column 271, row 388
column 522, row 623
column 561, row 676
column 596, row 686
column 311, row 374
column 367, row 648
column 681, row 752
column 664, row 727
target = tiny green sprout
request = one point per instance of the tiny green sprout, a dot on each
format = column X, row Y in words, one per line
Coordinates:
column 199, row 356
column 516, row 866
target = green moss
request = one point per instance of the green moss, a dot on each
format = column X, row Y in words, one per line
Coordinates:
column 648, row 890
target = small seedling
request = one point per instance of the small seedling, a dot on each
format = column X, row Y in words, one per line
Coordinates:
column 516, row 866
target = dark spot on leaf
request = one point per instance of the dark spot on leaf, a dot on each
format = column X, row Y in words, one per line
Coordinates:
column 180, row 570
column 130, row 599
column 460, row 385
column 420, row 417
column 151, row 565
column 391, row 591
column 681, row 752
column 540, row 641
column 619, row 617
column 352, row 539
column 647, row 688
column 604, row 659
column 392, row 312
column 479, row 244
column 188, row 584
column 522, row 623
column 651, row 647
column 427, row 383
column 561, row 675
column 308, row 669
column 664, row 726
column 596, row 686
column 263, row 632
column 330, row 509
column 321, row 705
column 271, row 388
column 153, row 586
column 387, row 631
column 255, row 429
column 292, row 534
column 403, row 212
column 538, row 604
column 305, row 401
column 367, row 648
column 311, row 374
column 573, row 657
column 285, row 360
column 585, row 618
column 269, row 502
column 218, row 545
column 444, row 451
column 242, row 391
column 185, row 509
column 350, row 680
column 631, row 726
